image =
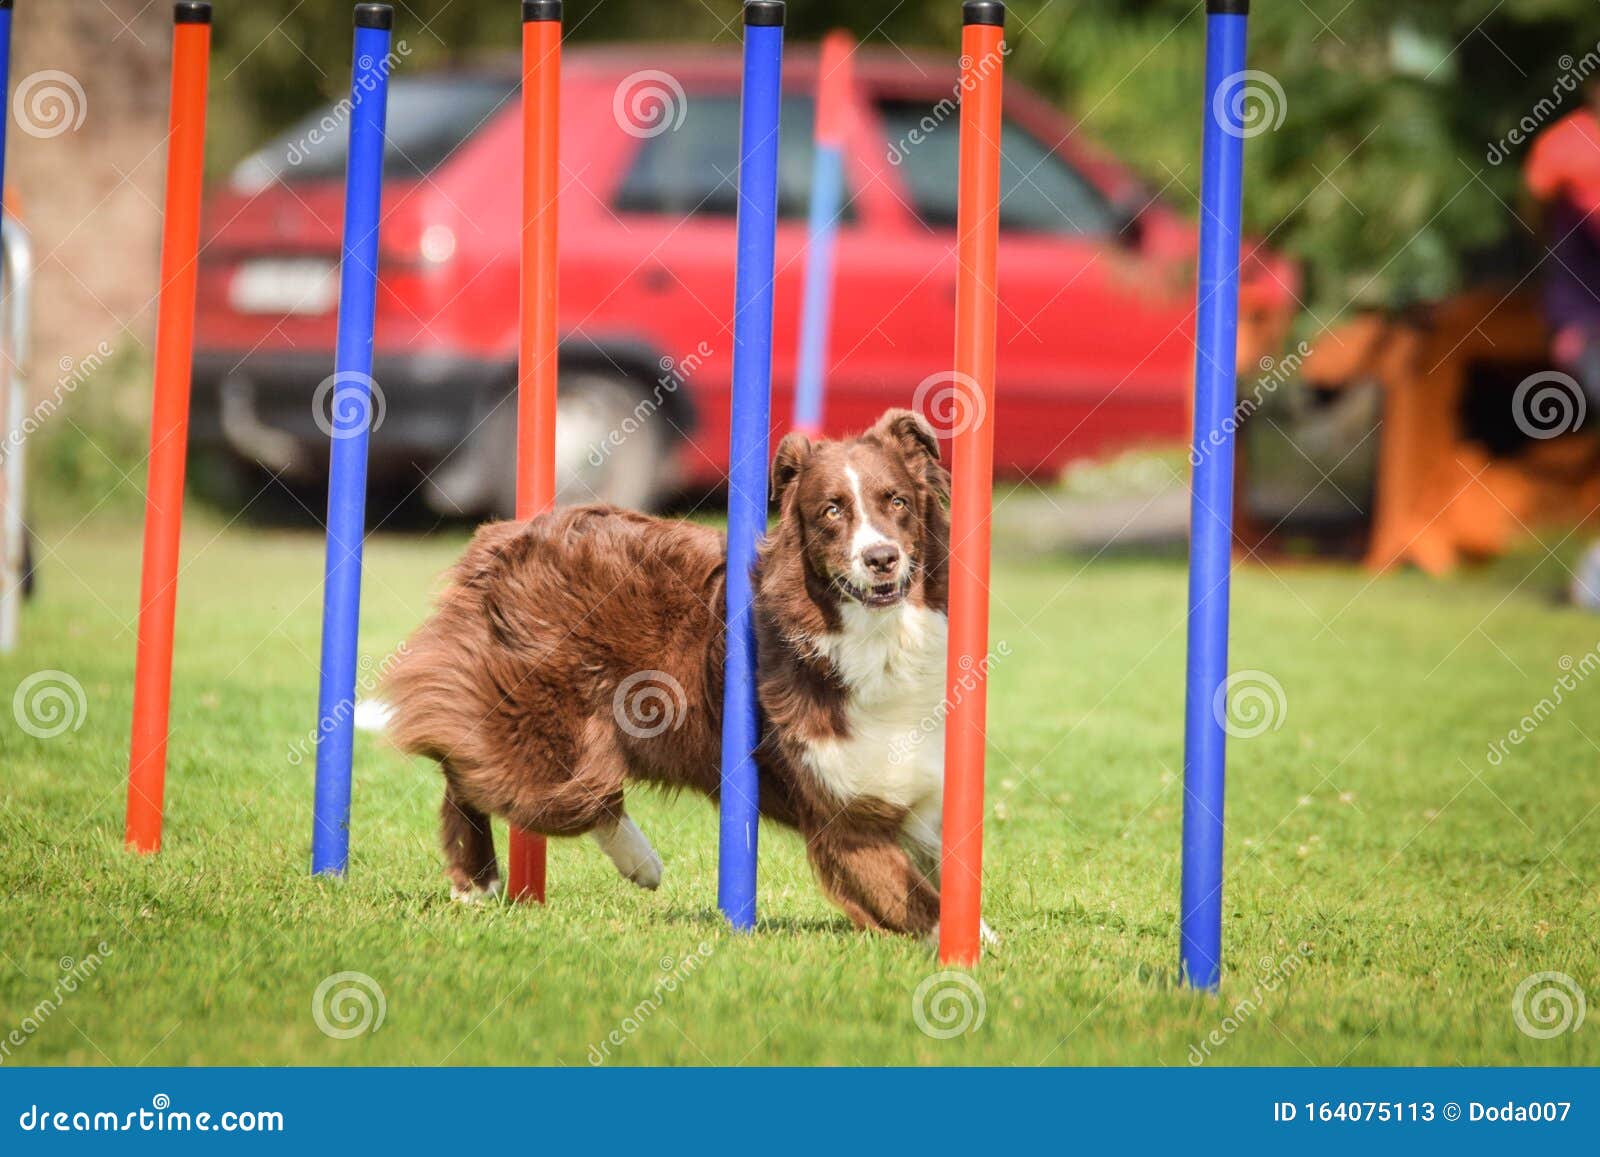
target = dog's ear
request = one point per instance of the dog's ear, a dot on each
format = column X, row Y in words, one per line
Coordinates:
column 916, row 439
column 793, row 454
column 911, row 432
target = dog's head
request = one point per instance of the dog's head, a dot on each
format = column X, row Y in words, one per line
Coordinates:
column 867, row 516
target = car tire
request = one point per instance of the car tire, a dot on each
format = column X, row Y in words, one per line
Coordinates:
column 612, row 446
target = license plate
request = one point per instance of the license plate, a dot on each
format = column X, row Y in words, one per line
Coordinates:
column 298, row 286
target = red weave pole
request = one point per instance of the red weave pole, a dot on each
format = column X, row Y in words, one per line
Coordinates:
column 972, row 467
column 169, row 427
column 835, row 82
column 536, row 354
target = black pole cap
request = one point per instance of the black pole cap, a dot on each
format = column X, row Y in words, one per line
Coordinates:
column 374, row 16
column 763, row 13
column 1227, row 7
column 990, row 12
column 188, row 12
column 5, row 3
column 541, row 11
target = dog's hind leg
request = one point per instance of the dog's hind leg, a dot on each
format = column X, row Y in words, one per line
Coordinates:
column 630, row 851
column 468, row 841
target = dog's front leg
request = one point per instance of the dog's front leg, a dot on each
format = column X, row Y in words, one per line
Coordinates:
column 923, row 836
column 867, row 873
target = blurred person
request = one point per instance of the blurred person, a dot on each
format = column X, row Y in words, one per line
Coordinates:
column 1563, row 173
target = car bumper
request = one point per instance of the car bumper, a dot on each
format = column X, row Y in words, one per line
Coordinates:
column 263, row 407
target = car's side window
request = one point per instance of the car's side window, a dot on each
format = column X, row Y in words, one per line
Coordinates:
column 693, row 169
column 1040, row 192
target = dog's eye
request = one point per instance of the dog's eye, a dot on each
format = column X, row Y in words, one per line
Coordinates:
column 897, row 502
column 832, row 511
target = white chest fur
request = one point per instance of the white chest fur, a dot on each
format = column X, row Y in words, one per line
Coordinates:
column 893, row 663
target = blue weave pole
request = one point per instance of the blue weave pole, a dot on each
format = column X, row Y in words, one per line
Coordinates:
column 816, row 317
column 1211, row 518
column 751, row 430
column 5, row 82
column 351, row 407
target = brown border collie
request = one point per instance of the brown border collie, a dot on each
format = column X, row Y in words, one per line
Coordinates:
column 583, row 649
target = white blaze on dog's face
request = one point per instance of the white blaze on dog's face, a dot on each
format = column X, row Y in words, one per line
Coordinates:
column 862, row 506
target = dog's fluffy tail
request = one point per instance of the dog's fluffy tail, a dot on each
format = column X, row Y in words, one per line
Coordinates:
column 373, row 715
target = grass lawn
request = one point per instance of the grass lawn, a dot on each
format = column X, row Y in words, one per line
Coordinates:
column 1389, row 884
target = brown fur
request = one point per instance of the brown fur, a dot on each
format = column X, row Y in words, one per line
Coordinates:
column 512, row 685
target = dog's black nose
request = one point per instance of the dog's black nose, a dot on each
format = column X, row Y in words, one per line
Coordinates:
column 882, row 560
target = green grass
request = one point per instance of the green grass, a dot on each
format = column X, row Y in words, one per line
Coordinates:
column 1423, row 882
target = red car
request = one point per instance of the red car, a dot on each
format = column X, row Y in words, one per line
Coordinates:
column 1096, row 279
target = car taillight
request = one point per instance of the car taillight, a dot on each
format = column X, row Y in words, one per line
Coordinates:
column 438, row 244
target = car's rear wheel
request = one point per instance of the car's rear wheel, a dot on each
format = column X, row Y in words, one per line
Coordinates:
column 611, row 446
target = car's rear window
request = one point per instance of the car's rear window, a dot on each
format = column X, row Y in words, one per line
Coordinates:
column 1039, row 191
column 428, row 119
column 693, row 169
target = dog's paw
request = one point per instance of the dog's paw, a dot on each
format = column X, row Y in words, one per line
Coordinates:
column 647, row 874
column 635, row 859
column 476, row 894
column 986, row 937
